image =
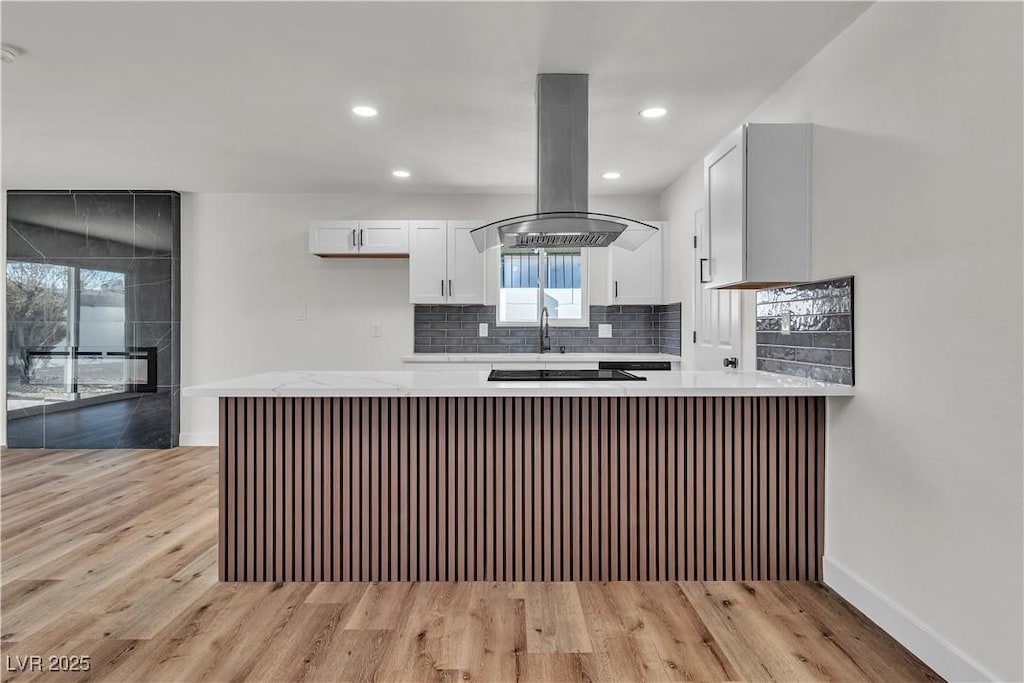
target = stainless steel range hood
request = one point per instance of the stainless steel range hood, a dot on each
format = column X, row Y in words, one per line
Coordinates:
column 562, row 217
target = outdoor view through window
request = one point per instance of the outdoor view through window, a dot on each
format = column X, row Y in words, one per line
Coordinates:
column 52, row 311
column 532, row 278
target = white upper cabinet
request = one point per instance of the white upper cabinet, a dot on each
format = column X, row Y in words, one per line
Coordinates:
column 636, row 275
column 359, row 238
column 384, row 237
column 428, row 271
column 465, row 264
column 333, row 237
column 757, row 186
column 444, row 265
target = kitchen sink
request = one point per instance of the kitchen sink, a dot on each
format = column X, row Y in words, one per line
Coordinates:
column 563, row 376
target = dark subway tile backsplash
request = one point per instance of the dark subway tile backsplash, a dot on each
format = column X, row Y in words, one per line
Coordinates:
column 635, row 329
column 820, row 342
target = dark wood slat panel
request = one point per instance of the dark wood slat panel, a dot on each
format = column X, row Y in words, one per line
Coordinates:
column 521, row 489
column 226, row 495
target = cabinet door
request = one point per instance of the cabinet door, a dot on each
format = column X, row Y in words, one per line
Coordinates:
column 465, row 264
column 725, row 202
column 428, row 278
column 328, row 238
column 636, row 275
column 383, row 237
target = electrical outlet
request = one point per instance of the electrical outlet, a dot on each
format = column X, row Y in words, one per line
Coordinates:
column 604, row 330
column 787, row 323
column 376, row 329
column 300, row 313
column 483, row 329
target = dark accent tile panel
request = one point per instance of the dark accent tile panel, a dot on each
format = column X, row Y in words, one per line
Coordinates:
column 69, row 226
column 134, row 233
column 820, row 344
column 155, row 217
column 25, row 430
column 635, row 329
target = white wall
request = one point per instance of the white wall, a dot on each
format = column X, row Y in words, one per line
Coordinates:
column 917, row 193
column 246, row 271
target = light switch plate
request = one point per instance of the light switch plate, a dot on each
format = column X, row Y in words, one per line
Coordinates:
column 604, row 330
column 483, row 329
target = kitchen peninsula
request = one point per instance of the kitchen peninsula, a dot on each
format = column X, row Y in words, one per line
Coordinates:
column 423, row 476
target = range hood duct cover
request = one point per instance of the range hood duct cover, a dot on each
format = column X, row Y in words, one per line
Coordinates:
column 563, row 139
column 562, row 217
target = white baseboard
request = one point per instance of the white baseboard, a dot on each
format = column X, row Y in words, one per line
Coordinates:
column 945, row 658
column 198, row 439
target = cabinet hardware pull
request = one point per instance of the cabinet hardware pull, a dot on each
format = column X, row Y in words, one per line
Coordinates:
column 449, row 288
column 354, row 243
column 442, row 288
column 362, row 240
column 616, row 289
column 702, row 262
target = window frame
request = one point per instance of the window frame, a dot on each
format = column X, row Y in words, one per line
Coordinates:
column 582, row 321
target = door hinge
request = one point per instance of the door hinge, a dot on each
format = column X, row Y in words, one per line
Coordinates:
column 694, row 241
column 695, row 336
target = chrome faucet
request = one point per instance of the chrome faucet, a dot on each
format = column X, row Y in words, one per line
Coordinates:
column 544, row 331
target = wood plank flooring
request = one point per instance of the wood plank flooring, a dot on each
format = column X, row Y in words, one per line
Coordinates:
column 113, row 555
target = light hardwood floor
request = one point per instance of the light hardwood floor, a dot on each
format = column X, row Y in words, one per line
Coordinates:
column 112, row 554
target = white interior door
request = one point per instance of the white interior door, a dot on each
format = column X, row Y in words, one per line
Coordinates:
column 717, row 314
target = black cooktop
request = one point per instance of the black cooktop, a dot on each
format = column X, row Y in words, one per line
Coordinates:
column 563, row 376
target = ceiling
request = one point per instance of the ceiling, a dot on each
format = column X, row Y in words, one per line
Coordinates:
column 256, row 96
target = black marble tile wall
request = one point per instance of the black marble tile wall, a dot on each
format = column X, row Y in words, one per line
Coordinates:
column 820, row 342
column 635, row 329
column 134, row 233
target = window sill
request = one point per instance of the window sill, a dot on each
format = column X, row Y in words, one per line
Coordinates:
column 552, row 323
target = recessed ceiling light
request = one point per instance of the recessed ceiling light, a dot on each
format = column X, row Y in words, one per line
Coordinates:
column 399, row 173
column 365, row 111
column 653, row 112
column 611, row 175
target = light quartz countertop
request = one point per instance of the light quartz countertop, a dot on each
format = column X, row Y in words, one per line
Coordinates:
column 474, row 383
column 535, row 357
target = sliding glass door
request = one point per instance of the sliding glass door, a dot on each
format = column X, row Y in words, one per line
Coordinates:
column 67, row 337
column 102, row 362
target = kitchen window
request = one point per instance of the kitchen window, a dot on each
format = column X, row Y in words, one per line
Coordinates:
column 531, row 279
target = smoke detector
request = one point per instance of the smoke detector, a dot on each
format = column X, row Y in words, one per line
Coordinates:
column 8, row 54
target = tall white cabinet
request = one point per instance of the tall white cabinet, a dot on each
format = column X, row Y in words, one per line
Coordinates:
column 444, row 265
column 757, row 186
column 635, row 276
